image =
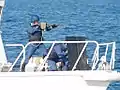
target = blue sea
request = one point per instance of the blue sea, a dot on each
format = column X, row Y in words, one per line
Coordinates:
column 95, row 19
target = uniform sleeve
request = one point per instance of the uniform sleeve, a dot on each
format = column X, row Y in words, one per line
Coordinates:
column 48, row 27
column 59, row 50
column 51, row 26
column 33, row 29
column 29, row 30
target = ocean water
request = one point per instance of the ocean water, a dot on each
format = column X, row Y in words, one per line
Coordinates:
column 95, row 19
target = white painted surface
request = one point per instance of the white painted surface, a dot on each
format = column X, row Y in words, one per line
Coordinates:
column 57, row 80
column 2, row 2
column 3, row 58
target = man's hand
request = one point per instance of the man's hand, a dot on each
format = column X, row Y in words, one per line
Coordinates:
column 54, row 25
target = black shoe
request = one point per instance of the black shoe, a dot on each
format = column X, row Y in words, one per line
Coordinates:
column 23, row 67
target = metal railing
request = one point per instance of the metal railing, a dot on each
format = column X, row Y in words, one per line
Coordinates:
column 22, row 52
column 95, row 58
column 112, row 60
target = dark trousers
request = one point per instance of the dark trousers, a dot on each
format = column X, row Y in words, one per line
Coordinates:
column 31, row 50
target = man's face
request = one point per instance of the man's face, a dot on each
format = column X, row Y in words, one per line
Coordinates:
column 34, row 23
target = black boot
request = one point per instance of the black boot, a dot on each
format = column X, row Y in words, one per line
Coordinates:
column 23, row 67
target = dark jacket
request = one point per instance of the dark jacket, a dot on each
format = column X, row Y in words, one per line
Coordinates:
column 35, row 33
column 58, row 53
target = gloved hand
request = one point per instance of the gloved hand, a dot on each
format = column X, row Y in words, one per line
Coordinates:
column 54, row 25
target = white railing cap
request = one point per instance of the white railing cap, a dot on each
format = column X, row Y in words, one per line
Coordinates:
column 2, row 2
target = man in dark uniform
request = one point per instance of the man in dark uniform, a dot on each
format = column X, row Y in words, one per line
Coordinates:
column 35, row 34
column 57, row 55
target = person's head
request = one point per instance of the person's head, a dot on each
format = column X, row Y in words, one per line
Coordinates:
column 34, row 20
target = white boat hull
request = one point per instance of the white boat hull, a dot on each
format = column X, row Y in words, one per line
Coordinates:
column 69, row 80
